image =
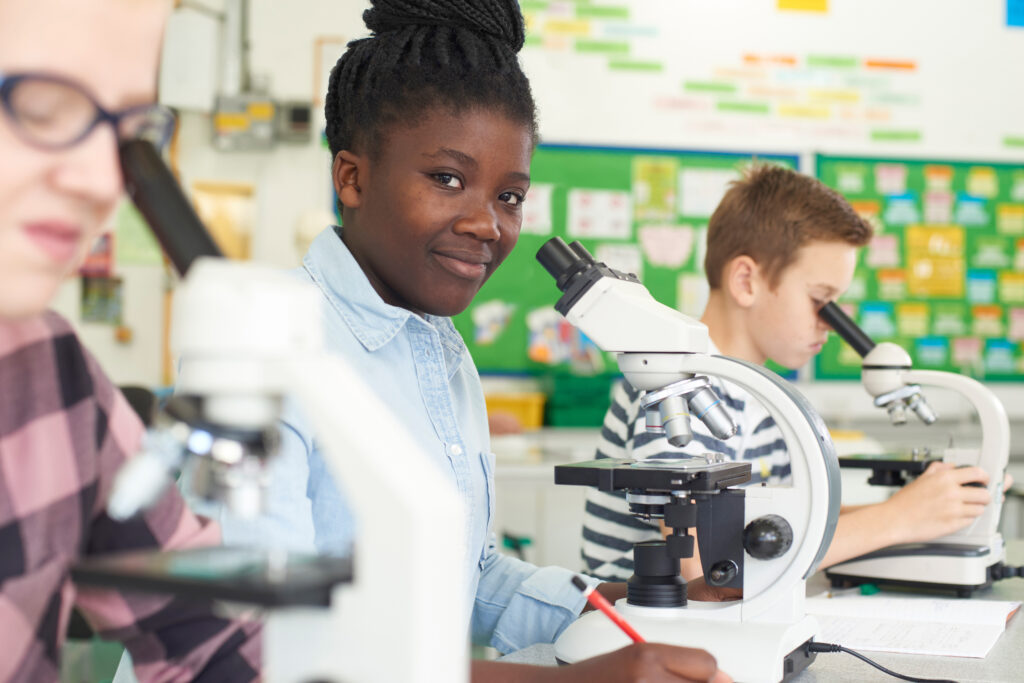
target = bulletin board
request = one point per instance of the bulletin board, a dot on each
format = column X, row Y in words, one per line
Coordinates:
column 944, row 275
column 643, row 211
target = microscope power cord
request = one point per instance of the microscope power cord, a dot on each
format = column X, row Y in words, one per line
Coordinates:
column 1005, row 571
column 832, row 647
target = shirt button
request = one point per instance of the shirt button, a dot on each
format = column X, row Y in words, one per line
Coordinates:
column 455, row 449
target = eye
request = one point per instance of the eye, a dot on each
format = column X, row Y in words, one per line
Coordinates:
column 514, row 199
column 449, row 180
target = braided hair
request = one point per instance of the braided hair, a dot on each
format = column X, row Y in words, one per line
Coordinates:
column 425, row 54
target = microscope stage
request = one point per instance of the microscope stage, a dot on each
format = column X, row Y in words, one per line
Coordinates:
column 243, row 575
column 611, row 474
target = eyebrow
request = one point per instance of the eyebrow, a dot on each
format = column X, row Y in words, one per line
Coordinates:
column 467, row 160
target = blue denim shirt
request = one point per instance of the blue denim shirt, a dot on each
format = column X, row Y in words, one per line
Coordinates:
column 422, row 369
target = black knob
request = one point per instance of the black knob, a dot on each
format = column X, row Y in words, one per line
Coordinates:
column 768, row 537
column 721, row 573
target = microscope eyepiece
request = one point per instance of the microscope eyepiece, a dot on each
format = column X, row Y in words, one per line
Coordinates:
column 846, row 328
column 156, row 193
column 563, row 261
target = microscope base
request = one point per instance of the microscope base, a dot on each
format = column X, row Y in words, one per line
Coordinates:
column 942, row 567
column 753, row 652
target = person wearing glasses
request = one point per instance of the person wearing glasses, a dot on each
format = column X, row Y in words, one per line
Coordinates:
column 75, row 79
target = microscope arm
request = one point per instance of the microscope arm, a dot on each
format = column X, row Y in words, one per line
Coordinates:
column 811, row 505
column 994, row 453
column 408, row 562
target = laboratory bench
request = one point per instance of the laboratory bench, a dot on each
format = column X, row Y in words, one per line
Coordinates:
column 1005, row 662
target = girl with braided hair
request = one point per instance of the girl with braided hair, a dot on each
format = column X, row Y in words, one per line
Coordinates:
column 431, row 126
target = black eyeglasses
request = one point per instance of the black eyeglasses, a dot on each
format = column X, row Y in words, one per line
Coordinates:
column 51, row 112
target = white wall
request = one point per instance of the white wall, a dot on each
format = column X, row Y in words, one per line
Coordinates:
column 965, row 87
column 967, row 84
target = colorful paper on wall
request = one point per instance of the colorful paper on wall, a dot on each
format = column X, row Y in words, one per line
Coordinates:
column 967, row 352
column 804, row 5
column 935, row 261
column 890, row 179
column 932, row 351
column 99, row 262
column 1010, row 219
column 599, row 213
column 869, row 210
column 999, row 357
column 912, row 319
column 692, row 293
column 490, row 319
column 883, row 252
column 876, row 320
column 892, row 285
column 537, row 210
column 1011, row 287
column 982, row 182
column 668, row 246
column 701, row 189
column 622, row 257
column 1017, row 186
column 971, row 211
column 987, row 321
column 851, row 178
column 1015, row 13
column 1016, row 324
column 654, row 188
column 101, row 300
column 902, row 210
column 981, row 286
column 991, row 251
column 949, row 319
column 938, row 178
column 554, row 341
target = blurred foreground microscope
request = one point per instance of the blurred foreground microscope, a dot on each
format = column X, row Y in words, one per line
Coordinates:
column 764, row 540
column 253, row 336
column 961, row 562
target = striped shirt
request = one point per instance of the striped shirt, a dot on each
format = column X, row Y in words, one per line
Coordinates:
column 609, row 530
column 64, row 431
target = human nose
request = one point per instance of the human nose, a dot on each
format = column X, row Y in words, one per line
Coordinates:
column 91, row 170
column 481, row 222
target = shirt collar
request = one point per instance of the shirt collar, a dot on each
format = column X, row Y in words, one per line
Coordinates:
column 373, row 322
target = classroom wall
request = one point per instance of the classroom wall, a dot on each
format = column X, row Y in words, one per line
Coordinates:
column 696, row 74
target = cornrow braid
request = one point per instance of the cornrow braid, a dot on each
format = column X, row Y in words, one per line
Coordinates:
column 425, row 54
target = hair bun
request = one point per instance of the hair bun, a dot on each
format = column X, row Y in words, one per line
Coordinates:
column 499, row 19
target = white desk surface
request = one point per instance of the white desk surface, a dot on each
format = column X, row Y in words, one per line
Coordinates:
column 1004, row 663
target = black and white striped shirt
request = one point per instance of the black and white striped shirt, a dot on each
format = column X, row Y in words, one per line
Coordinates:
column 609, row 530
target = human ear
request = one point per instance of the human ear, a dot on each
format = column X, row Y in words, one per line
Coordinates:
column 743, row 280
column 345, row 173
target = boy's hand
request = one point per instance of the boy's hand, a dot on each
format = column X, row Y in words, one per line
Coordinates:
column 646, row 662
column 938, row 502
column 699, row 590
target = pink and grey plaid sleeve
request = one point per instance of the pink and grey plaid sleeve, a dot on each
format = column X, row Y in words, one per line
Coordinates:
column 64, row 432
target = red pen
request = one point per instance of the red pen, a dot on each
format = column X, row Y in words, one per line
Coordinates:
column 599, row 602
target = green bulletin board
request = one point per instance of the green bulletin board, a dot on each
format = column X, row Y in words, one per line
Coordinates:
column 640, row 210
column 944, row 275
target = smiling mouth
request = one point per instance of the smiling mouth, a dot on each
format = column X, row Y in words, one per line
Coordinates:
column 467, row 270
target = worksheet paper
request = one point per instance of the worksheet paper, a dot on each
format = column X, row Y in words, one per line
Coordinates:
column 910, row 625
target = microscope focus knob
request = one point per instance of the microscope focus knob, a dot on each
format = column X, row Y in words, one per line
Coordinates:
column 768, row 537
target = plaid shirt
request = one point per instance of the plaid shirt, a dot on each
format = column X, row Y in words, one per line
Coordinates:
column 64, row 432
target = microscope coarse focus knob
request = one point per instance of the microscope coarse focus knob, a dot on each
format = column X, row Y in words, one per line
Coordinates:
column 768, row 537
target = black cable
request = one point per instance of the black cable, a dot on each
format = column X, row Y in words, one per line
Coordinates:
column 832, row 647
column 999, row 572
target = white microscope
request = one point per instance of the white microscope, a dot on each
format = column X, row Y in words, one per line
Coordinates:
column 963, row 561
column 765, row 540
column 395, row 610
